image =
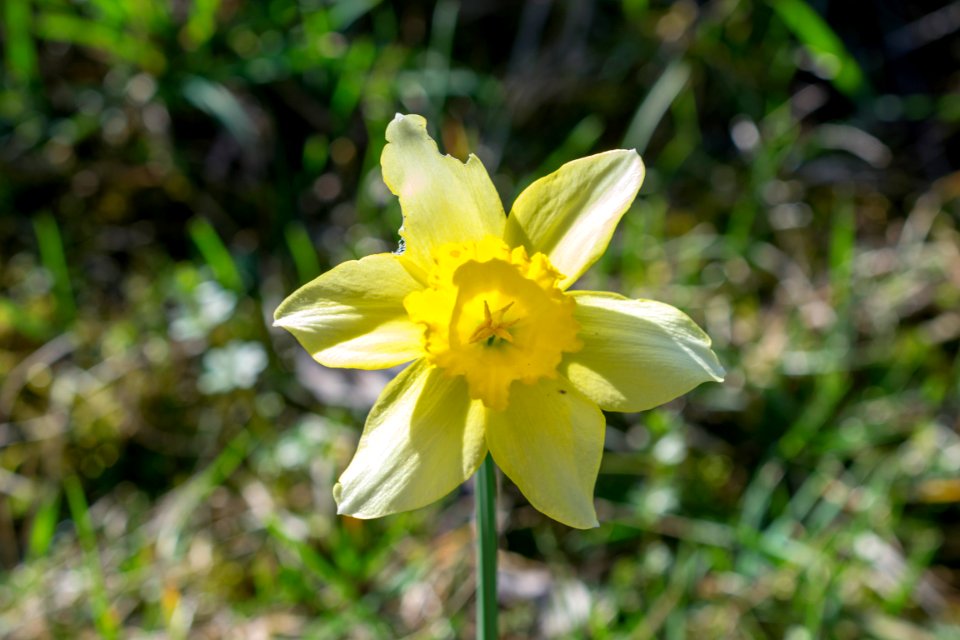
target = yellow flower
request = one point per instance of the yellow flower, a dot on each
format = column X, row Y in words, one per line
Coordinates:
column 504, row 358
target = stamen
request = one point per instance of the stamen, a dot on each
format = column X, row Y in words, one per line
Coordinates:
column 493, row 326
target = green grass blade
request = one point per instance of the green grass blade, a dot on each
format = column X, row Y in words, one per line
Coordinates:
column 686, row 137
column 103, row 617
column 200, row 486
column 20, row 52
column 303, row 252
column 218, row 102
column 578, row 142
column 215, row 253
column 43, row 526
column 346, row 12
column 821, row 41
column 831, row 388
column 54, row 260
column 202, row 22
column 651, row 111
column 356, row 65
column 111, row 11
column 437, row 62
column 325, row 571
column 843, row 236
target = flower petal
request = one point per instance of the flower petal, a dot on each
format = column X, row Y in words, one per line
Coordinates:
column 353, row 315
column 422, row 439
column 443, row 200
column 570, row 215
column 549, row 441
column 637, row 354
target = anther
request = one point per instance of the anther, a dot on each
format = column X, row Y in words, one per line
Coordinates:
column 493, row 326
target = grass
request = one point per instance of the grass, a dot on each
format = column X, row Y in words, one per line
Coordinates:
column 170, row 177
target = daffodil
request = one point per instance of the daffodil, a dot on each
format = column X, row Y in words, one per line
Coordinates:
column 504, row 358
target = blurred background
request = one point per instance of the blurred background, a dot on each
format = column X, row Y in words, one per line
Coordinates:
column 171, row 169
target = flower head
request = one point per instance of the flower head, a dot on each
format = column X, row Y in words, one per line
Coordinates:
column 504, row 358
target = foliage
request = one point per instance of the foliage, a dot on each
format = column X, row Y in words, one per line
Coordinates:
column 169, row 170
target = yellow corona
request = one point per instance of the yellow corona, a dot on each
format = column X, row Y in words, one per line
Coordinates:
column 495, row 316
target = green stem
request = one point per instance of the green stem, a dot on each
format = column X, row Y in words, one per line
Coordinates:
column 486, row 495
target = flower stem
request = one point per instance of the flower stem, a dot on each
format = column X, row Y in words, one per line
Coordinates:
column 486, row 496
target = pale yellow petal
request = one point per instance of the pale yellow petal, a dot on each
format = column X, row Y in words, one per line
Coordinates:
column 353, row 315
column 637, row 354
column 422, row 439
column 549, row 441
column 571, row 214
column 443, row 200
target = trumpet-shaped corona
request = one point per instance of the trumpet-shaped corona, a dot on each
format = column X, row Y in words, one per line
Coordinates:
column 495, row 316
